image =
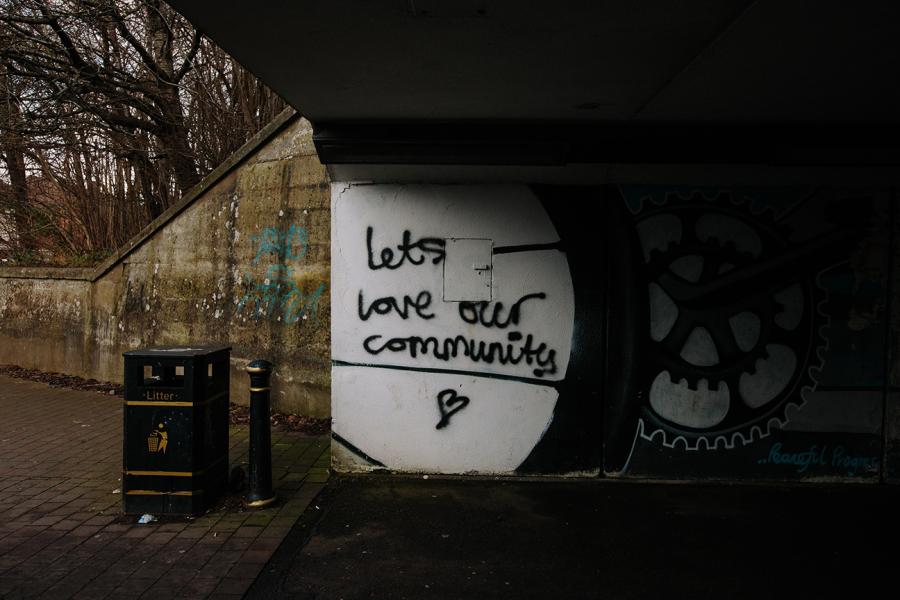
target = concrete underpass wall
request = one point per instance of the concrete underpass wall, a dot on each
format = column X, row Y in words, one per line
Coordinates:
column 768, row 315
column 244, row 260
column 424, row 379
column 44, row 314
column 637, row 331
column 892, row 407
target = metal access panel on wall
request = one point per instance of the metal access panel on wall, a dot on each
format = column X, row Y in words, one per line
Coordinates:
column 468, row 270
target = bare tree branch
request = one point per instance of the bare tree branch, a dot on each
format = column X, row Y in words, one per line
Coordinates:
column 109, row 110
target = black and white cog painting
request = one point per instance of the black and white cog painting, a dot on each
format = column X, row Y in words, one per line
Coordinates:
column 734, row 320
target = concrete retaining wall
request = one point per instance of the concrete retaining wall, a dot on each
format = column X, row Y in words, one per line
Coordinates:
column 244, row 259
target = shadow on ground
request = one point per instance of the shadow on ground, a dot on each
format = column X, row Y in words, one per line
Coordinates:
column 381, row 537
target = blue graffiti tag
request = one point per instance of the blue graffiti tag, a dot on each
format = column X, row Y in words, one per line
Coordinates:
column 816, row 456
column 802, row 460
column 853, row 464
column 279, row 293
column 287, row 244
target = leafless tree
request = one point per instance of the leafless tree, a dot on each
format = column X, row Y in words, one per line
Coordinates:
column 109, row 111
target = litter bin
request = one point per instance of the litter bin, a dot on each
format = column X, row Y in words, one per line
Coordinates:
column 175, row 447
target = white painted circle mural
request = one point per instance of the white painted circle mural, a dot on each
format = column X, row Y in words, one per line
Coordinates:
column 452, row 319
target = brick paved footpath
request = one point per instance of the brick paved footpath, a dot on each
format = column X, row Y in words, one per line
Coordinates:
column 62, row 534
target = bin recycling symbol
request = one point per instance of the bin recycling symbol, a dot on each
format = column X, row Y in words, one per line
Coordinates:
column 158, row 440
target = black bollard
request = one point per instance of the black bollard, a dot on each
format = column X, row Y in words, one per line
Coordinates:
column 259, row 491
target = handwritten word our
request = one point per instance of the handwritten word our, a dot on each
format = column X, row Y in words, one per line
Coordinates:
column 279, row 294
column 480, row 312
column 287, row 244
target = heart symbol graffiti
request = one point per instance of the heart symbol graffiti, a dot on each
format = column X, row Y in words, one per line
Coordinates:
column 449, row 403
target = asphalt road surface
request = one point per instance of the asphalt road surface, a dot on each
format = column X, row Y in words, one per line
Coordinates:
column 403, row 537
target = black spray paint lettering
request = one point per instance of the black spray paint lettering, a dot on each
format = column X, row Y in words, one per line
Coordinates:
column 480, row 312
column 449, row 403
column 383, row 306
column 414, row 252
column 476, row 350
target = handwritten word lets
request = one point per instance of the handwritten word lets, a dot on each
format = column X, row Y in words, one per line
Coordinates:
column 279, row 293
column 414, row 252
column 287, row 244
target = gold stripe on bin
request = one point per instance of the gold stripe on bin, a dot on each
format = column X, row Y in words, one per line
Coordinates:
column 257, row 370
column 164, row 473
column 175, row 473
column 155, row 493
column 151, row 403
column 262, row 389
column 170, row 404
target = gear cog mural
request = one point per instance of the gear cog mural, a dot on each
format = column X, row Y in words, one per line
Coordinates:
column 734, row 323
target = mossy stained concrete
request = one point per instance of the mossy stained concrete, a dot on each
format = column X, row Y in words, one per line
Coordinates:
column 243, row 259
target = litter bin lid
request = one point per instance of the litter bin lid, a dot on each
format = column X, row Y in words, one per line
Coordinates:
column 185, row 350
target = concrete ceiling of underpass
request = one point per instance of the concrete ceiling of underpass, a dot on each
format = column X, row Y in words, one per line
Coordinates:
column 595, row 60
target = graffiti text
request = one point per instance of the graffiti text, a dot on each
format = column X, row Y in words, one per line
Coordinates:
column 383, row 306
column 817, row 456
column 476, row 350
column 414, row 252
column 480, row 312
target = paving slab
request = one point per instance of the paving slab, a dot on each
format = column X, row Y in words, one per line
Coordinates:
column 62, row 534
